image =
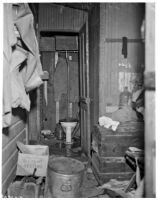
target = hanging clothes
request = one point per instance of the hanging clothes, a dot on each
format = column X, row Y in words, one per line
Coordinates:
column 23, row 19
column 9, row 40
column 18, row 94
column 22, row 67
column 60, row 78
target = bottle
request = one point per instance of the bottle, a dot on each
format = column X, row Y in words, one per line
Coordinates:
column 59, row 133
column 125, row 98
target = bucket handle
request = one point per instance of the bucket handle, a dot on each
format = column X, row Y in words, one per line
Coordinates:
column 66, row 187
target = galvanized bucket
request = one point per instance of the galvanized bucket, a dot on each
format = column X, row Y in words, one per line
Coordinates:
column 65, row 177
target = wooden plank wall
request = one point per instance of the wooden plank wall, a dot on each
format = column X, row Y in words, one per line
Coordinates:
column 33, row 121
column 48, row 113
column 94, row 22
column 150, row 101
column 59, row 18
column 116, row 21
column 16, row 132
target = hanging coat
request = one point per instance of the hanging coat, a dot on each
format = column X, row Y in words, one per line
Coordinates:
column 9, row 40
column 22, row 66
column 23, row 20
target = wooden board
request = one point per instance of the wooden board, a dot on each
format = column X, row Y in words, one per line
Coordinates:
column 150, row 101
column 66, row 42
column 17, row 131
column 84, row 90
column 11, row 147
column 94, row 37
column 123, row 128
column 11, row 133
column 47, row 44
column 8, row 179
column 7, row 167
column 59, row 18
column 117, row 145
column 48, row 113
column 110, row 164
column 105, row 177
column 114, row 144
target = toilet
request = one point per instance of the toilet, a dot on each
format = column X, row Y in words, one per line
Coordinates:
column 68, row 127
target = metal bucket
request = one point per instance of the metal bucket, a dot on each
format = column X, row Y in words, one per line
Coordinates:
column 65, row 177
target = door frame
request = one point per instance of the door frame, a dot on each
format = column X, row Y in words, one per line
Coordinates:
column 84, row 100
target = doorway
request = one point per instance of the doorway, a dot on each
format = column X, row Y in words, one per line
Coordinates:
column 65, row 57
column 59, row 55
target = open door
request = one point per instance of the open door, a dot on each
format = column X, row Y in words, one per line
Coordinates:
column 84, row 100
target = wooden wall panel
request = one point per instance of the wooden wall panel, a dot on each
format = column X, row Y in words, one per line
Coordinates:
column 116, row 21
column 10, row 148
column 12, row 132
column 94, row 22
column 48, row 115
column 150, row 102
column 33, row 126
column 59, row 18
column 16, row 132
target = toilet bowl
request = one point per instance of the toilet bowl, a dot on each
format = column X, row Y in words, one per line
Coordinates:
column 68, row 127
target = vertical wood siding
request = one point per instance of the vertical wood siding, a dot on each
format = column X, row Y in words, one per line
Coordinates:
column 116, row 21
column 150, row 102
column 48, row 113
column 94, row 22
column 16, row 132
column 59, row 18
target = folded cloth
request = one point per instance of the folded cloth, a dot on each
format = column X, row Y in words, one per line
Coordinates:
column 135, row 149
column 108, row 123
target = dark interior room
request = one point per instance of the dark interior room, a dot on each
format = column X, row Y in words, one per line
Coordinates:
column 78, row 117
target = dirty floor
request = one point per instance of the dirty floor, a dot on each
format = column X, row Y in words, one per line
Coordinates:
column 58, row 148
column 89, row 188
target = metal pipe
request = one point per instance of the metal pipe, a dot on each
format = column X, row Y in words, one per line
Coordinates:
column 68, row 85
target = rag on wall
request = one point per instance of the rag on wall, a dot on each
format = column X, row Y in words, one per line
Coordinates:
column 124, row 46
column 22, row 67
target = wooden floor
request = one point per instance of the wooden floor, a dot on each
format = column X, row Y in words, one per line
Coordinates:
column 90, row 187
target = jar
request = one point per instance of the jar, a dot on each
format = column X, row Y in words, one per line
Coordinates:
column 125, row 97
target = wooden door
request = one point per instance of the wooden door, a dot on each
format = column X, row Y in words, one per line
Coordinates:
column 84, row 100
column 150, row 101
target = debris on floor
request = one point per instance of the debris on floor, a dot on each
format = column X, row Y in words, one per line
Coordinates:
column 89, row 187
column 26, row 187
column 31, row 186
column 116, row 189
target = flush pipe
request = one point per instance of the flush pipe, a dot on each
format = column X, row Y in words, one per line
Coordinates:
column 68, row 86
